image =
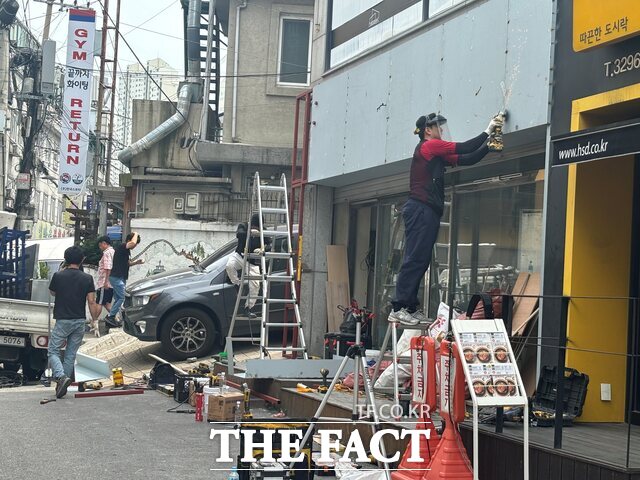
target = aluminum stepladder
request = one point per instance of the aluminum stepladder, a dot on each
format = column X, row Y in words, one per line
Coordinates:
column 432, row 277
column 440, row 265
column 274, row 225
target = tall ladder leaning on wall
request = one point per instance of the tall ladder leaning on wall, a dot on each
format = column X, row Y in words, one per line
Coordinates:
column 432, row 280
column 274, row 224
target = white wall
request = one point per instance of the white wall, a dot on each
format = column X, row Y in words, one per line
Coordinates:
column 182, row 234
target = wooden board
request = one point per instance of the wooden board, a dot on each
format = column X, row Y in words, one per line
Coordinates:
column 518, row 288
column 527, row 305
column 337, row 294
column 337, row 264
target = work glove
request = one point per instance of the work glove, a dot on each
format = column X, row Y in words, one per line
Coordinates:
column 258, row 250
column 496, row 121
column 255, row 232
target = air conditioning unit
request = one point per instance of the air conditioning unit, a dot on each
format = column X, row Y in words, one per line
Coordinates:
column 178, row 205
column 192, row 204
column 13, row 150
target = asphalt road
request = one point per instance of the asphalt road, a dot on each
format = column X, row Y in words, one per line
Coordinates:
column 125, row 437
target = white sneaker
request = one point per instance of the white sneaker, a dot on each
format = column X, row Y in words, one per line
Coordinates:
column 404, row 317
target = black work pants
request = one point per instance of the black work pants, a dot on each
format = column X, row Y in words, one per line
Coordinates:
column 421, row 225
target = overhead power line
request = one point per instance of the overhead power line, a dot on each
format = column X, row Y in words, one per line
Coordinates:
column 179, row 75
column 144, row 67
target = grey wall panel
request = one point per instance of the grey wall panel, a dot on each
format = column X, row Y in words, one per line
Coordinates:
column 365, row 127
column 328, row 127
column 460, row 65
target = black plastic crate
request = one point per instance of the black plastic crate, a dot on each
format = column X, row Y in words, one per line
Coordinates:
column 575, row 394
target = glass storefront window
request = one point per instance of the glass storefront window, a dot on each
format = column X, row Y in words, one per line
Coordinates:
column 499, row 236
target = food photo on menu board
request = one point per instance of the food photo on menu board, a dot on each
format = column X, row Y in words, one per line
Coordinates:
column 490, row 369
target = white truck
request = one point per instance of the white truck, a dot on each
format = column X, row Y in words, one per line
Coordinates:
column 24, row 336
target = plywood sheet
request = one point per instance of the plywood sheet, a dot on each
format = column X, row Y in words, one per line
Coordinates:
column 337, row 264
column 527, row 305
column 337, row 294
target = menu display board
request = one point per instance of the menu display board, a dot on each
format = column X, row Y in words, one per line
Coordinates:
column 490, row 369
column 489, row 365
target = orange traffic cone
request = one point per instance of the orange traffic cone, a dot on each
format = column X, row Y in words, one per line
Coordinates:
column 413, row 470
column 450, row 459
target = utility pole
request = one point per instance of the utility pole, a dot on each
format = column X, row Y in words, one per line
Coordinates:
column 112, row 108
column 97, row 150
column 8, row 10
column 101, row 225
column 4, row 111
column 31, row 127
column 47, row 20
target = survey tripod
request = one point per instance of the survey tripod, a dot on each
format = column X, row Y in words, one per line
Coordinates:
column 355, row 352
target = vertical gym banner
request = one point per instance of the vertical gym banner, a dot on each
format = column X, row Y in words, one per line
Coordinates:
column 76, row 108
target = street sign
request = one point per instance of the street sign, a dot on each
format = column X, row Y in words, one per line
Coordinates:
column 76, row 108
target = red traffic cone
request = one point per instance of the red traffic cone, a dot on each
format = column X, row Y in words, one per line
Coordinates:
column 450, row 459
column 413, row 470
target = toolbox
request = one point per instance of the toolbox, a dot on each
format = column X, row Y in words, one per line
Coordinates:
column 543, row 404
column 303, row 469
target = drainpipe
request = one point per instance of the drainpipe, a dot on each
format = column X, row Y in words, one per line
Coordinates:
column 186, row 94
column 193, row 41
column 162, row 130
column 236, row 55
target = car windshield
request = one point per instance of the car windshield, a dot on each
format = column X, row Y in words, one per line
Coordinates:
column 217, row 255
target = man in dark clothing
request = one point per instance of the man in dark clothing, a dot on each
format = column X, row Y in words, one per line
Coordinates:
column 73, row 289
column 119, row 275
column 425, row 206
column 236, row 260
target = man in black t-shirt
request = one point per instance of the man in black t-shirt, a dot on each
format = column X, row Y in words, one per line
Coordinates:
column 73, row 289
column 120, row 274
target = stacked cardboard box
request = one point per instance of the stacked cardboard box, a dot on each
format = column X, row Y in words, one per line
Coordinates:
column 222, row 407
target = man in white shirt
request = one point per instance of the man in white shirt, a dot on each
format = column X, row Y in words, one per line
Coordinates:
column 104, row 293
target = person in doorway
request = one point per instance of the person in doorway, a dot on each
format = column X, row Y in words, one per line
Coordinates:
column 73, row 290
column 120, row 274
column 236, row 260
column 104, row 292
column 424, row 208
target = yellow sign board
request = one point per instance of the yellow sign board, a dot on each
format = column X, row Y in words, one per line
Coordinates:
column 597, row 22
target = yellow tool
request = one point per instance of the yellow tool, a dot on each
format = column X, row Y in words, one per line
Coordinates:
column 246, row 414
column 496, row 143
column 118, row 377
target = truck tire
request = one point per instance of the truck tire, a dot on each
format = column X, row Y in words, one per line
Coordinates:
column 188, row 332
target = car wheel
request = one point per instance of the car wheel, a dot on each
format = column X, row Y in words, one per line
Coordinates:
column 188, row 332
